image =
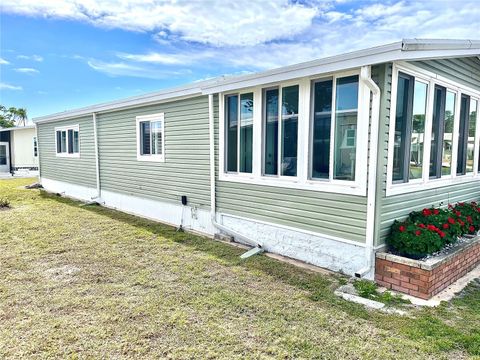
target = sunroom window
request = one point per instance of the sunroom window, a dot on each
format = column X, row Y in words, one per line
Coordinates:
column 239, row 132
column 409, row 128
column 281, row 137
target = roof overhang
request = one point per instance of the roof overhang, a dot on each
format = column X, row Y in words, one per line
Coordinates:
column 409, row 49
column 26, row 127
column 406, row 50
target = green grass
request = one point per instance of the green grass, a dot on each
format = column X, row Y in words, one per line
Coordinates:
column 88, row 282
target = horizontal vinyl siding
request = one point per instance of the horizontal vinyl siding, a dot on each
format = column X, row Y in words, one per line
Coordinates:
column 79, row 171
column 465, row 71
column 187, row 162
column 338, row 215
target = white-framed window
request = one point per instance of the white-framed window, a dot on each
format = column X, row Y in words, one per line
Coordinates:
column 67, row 141
column 35, row 147
column 297, row 140
column 151, row 137
column 434, row 131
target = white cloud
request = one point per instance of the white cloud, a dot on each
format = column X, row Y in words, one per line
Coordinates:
column 37, row 58
column 178, row 58
column 29, row 71
column 5, row 86
column 3, row 61
column 217, row 22
column 125, row 69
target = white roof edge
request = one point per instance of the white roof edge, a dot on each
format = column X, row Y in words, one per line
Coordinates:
column 191, row 89
column 18, row 128
column 407, row 49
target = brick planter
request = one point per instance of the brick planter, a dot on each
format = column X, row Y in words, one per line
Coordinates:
column 426, row 278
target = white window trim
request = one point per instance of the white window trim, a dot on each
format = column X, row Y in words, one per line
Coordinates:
column 75, row 127
column 150, row 117
column 426, row 183
column 35, row 140
column 302, row 180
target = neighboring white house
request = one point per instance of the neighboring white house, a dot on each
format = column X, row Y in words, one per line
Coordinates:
column 18, row 151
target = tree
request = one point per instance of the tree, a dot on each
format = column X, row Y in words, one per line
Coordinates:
column 12, row 116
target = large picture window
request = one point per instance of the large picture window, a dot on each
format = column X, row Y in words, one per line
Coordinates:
column 280, row 137
column 239, row 132
column 150, row 142
column 67, row 141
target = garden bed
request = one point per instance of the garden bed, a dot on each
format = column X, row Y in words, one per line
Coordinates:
column 427, row 277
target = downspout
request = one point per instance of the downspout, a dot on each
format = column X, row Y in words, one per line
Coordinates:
column 97, row 160
column 365, row 76
column 211, row 121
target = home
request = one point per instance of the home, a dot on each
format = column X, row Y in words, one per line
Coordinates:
column 18, row 151
column 312, row 161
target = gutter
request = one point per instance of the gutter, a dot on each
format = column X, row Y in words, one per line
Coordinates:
column 365, row 76
column 97, row 159
column 211, row 122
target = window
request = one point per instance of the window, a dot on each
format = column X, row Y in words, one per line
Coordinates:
column 442, row 132
column 150, row 137
column 35, row 147
column 239, row 132
column 409, row 128
column 346, row 111
column 463, row 135
column 283, row 132
column 472, row 120
column 67, row 141
column 321, row 128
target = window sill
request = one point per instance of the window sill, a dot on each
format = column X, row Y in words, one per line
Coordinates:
column 338, row 187
column 151, row 158
column 68, row 155
column 399, row 189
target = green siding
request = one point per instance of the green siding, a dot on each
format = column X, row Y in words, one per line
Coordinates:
column 343, row 216
column 465, row 71
column 79, row 171
column 186, row 169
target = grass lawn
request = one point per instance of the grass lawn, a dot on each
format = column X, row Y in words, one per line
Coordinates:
column 88, row 282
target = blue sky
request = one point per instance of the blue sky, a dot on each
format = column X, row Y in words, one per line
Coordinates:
column 62, row 55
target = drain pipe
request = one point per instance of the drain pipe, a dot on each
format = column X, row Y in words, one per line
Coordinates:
column 365, row 76
column 97, row 160
column 257, row 246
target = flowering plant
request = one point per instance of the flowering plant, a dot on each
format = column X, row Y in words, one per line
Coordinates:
column 428, row 231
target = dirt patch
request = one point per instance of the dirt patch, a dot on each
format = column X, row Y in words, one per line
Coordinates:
column 64, row 273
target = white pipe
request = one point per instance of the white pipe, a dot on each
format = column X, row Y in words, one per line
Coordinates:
column 211, row 122
column 97, row 160
column 365, row 76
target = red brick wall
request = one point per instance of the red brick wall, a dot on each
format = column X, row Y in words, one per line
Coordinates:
column 423, row 283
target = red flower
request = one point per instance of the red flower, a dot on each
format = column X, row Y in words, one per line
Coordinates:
column 461, row 222
column 458, row 213
column 418, row 232
column 426, row 212
column 401, row 228
column 471, row 228
column 451, row 220
column 446, row 226
column 436, row 212
column 431, row 227
column 469, row 219
column 422, row 226
column 442, row 234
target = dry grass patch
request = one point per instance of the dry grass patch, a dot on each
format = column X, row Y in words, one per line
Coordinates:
column 88, row 282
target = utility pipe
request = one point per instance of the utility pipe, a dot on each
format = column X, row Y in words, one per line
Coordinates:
column 365, row 76
column 212, row 181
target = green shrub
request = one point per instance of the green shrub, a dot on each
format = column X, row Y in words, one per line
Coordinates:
column 428, row 231
column 368, row 290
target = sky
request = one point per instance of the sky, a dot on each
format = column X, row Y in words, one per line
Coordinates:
column 57, row 55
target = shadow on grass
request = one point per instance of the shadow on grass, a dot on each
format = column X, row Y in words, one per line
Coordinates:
column 319, row 287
